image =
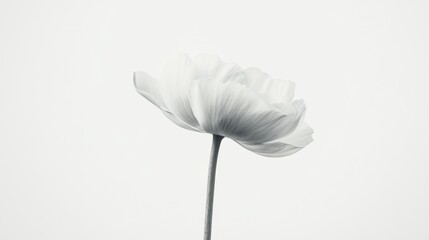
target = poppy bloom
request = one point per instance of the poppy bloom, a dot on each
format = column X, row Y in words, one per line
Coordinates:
column 205, row 94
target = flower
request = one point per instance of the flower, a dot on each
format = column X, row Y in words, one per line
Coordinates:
column 205, row 94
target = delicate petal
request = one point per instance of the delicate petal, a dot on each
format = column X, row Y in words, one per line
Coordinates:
column 301, row 137
column 179, row 122
column 176, row 78
column 273, row 149
column 272, row 90
column 149, row 88
column 290, row 143
column 285, row 146
column 231, row 110
column 303, row 133
column 210, row 67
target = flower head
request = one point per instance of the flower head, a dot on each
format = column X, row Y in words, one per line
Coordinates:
column 205, row 94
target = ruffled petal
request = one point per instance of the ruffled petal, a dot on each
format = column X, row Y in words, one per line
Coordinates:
column 176, row 78
column 301, row 137
column 285, row 146
column 273, row 149
column 272, row 90
column 149, row 88
column 230, row 109
column 211, row 67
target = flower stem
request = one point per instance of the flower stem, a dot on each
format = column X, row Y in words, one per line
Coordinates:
column 211, row 186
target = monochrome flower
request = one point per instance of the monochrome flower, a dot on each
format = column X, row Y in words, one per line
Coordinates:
column 205, row 94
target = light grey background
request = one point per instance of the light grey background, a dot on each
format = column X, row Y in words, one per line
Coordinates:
column 83, row 156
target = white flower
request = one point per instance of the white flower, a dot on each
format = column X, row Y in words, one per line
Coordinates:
column 205, row 94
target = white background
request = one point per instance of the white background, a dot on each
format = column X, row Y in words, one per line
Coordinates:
column 83, row 156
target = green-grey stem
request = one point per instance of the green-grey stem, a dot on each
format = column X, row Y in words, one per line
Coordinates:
column 211, row 186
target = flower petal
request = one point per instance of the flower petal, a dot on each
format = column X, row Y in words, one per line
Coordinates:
column 230, row 109
column 272, row 90
column 301, row 137
column 285, row 146
column 149, row 88
column 176, row 78
column 210, row 67
column 273, row 149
